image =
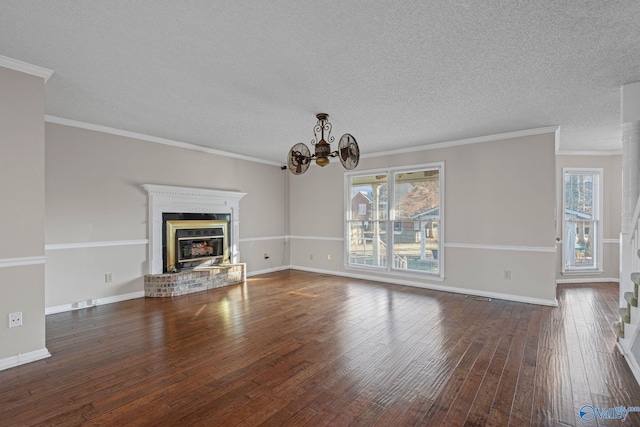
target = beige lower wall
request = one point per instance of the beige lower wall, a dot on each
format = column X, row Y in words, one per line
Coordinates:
column 314, row 254
column 22, row 291
column 484, row 272
column 78, row 274
column 276, row 248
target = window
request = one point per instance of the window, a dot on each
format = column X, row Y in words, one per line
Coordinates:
column 362, row 209
column 582, row 212
column 406, row 201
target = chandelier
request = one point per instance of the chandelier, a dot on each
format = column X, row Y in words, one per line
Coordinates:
column 300, row 156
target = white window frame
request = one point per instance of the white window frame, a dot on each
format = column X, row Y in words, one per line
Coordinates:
column 597, row 230
column 391, row 172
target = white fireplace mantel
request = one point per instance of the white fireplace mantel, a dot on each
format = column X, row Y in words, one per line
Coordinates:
column 171, row 199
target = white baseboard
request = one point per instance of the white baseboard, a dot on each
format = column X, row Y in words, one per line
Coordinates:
column 633, row 365
column 475, row 292
column 588, row 280
column 268, row 270
column 22, row 358
column 92, row 302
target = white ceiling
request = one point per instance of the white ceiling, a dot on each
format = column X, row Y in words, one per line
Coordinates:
column 248, row 77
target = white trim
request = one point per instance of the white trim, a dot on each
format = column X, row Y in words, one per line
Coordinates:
column 451, row 289
column 17, row 262
column 339, row 239
column 155, row 139
column 25, row 67
column 78, row 245
column 268, row 270
column 501, row 247
column 413, row 274
column 164, row 141
column 582, row 272
column 605, row 241
column 22, row 358
column 391, row 172
column 467, row 141
column 598, row 215
column 631, row 361
column 167, row 198
column 590, row 153
column 588, row 280
column 257, row 239
column 92, row 302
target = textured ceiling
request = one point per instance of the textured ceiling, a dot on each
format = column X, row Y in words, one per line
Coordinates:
column 248, row 77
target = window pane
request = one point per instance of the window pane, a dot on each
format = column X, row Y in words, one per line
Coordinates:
column 579, row 247
column 372, row 192
column 417, row 194
column 366, row 243
column 581, row 196
column 399, row 233
column 417, row 214
column 578, row 196
column 417, row 247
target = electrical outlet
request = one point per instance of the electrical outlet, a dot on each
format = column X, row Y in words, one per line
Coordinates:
column 330, row 257
column 311, row 257
column 15, row 319
column 108, row 277
column 266, row 255
column 507, row 274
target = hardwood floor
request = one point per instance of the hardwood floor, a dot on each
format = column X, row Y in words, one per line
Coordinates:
column 295, row 349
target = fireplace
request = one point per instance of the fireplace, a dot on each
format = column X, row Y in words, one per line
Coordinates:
column 170, row 203
column 192, row 242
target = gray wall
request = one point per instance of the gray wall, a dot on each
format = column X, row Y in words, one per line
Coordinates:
column 22, row 219
column 94, row 198
column 500, row 215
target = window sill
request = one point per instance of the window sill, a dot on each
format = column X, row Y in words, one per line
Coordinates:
column 397, row 273
column 591, row 272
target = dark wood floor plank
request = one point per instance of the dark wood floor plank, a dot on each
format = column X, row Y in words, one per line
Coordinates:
column 480, row 408
column 296, row 348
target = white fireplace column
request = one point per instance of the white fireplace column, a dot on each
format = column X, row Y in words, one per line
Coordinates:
column 171, row 199
column 630, row 118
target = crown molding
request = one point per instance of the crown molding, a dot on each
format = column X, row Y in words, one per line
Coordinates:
column 467, row 141
column 178, row 144
column 25, row 67
column 128, row 134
